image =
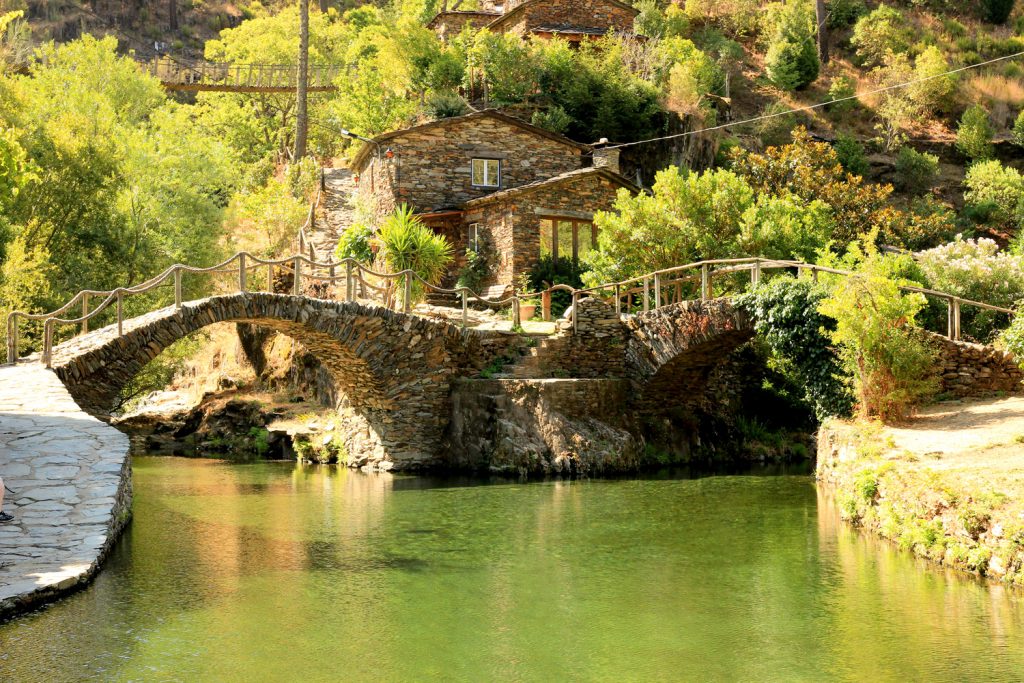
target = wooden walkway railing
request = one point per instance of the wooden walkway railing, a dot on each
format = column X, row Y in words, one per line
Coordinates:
column 395, row 290
column 246, row 78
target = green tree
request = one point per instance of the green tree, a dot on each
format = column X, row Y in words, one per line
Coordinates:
column 785, row 227
column 880, row 32
column 792, row 60
column 689, row 216
column 916, row 172
column 891, row 365
column 974, row 134
column 996, row 191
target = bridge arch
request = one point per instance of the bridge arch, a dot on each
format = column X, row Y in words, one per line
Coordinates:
column 672, row 351
column 395, row 369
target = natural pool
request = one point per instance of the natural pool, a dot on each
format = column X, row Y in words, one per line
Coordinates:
column 277, row 572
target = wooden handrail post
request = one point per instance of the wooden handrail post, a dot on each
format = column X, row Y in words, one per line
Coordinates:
column 705, row 282
column 407, row 303
column 48, row 343
column 177, row 288
column 618, row 300
column 956, row 319
column 814, row 274
column 575, row 311
column 647, row 285
column 516, row 321
column 465, row 308
column 331, row 270
column 657, row 290
column 241, row 272
column 120, row 313
column 270, row 278
column 12, row 339
column 755, row 274
column 297, row 268
column 349, row 284
column 545, row 305
column 949, row 318
column 85, row 312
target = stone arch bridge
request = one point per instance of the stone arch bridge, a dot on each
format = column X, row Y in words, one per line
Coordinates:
column 397, row 370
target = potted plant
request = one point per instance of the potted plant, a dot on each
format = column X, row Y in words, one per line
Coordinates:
column 527, row 305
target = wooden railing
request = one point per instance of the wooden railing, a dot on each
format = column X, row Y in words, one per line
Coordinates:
column 215, row 76
column 644, row 293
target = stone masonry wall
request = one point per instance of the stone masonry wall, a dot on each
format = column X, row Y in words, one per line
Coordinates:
column 431, row 165
column 974, row 370
column 513, row 224
column 593, row 14
column 597, row 347
column 449, row 24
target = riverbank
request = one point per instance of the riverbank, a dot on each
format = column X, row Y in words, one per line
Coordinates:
column 948, row 485
column 71, row 480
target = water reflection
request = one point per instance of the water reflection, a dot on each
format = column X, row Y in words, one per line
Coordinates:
column 283, row 572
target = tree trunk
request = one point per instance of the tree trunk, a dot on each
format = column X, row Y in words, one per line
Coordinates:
column 172, row 12
column 821, row 16
column 301, row 119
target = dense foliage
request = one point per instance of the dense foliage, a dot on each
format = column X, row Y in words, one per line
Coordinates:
column 786, row 317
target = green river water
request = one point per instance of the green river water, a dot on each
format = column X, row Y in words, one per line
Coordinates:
column 278, row 572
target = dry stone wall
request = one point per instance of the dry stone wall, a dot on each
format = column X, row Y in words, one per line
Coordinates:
column 598, row 15
column 973, row 370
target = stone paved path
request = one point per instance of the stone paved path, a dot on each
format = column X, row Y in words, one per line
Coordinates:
column 72, row 488
column 338, row 212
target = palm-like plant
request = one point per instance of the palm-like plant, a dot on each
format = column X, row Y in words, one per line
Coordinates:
column 405, row 243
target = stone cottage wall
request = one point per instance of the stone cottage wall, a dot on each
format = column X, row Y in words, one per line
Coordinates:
column 974, row 370
column 449, row 24
column 431, row 166
column 534, row 14
column 512, row 225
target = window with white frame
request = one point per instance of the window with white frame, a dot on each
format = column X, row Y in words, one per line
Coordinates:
column 486, row 172
column 473, row 238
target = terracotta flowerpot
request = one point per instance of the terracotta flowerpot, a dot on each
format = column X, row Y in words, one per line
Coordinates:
column 526, row 311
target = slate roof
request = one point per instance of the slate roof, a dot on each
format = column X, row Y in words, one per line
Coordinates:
column 554, row 180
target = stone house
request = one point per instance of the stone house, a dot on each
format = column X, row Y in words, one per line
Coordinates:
column 572, row 20
column 494, row 184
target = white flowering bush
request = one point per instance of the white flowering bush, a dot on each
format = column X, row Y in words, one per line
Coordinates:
column 978, row 270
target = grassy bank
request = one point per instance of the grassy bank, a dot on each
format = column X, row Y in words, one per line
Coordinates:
column 948, row 486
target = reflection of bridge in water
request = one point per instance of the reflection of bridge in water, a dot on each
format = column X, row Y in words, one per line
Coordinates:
column 240, row 78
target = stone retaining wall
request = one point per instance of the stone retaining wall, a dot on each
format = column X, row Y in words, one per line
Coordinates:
column 71, row 477
column 973, row 370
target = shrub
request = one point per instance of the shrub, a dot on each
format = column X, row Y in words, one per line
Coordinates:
column 881, row 31
column 475, row 272
column 891, row 367
column 841, row 89
column 935, row 93
column 1012, row 338
column 978, row 270
column 553, row 118
column 445, row 105
column 792, row 59
column 974, row 135
column 842, row 13
column 407, row 244
column 777, row 126
column 786, row 317
column 549, row 272
column 995, row 189
column 356, row 243
column 916, row 172
column 785, row 227
column 1018, row 130
column 996, row 11
column 851, row 155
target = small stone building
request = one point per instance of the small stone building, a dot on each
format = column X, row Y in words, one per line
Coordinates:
column 494, row 184
column 572, row 20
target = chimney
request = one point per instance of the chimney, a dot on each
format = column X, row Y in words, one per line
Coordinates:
column 606, row 157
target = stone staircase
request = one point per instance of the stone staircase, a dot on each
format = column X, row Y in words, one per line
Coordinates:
column 545, row 359
column 338, row 212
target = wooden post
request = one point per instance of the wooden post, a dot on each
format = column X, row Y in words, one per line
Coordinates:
column 755, row 274
column 647, row 301
column 177, row 288
column 516, row 321
column 85, row 312
column 407, row 303
column 814, row 274
column 297, row 267
column 657, row 290
column 955, row 319
column 331, row 270
column 270, row 278
column 465, row 307
column 618, row 300
column 949, row 318
column 120, row 313
column 576, row 311
column 679, row 292
column 705, row 282
column 241, row 272
column 48, row 343
column 349, row 285
column 12, row 339
column 545, row 305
